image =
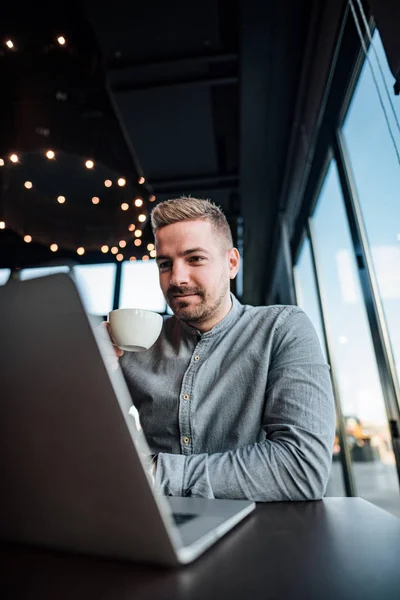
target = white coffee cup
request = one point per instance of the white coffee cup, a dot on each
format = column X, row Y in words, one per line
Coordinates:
column 135, row 329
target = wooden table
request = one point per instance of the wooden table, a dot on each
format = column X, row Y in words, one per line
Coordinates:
column 335, row 549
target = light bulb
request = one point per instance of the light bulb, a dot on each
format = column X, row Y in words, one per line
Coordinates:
column 138, row 233
column 95, row 200
column 142, row 218
column 132, row 227
column 54, row 247
column 150, row 246
column 122, row 244
column 14, row 158
column 152, row 198
column 28, row 185
column 50, row 154
column 2, row 225
column 153, row 253
column 114, row 250
column 121, row 182
column 28, row 239
column 132, row 258
column 9, row 44
column 61, row 40
column 89, row 164
column 138, row 242
column 108, row 183
column 61, row 199
column 120, row 257
column 138, row 202
column 1, row 162
column 125, row 206
column 145, row 257
column 141, row 180
column 104, row 249
column 80, row 251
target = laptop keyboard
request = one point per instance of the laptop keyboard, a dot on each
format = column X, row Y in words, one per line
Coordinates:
column 181, row 518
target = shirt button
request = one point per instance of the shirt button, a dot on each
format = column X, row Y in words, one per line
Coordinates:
column 186, row 396
column 193, row 331
column 186, row 440
column 197, row 358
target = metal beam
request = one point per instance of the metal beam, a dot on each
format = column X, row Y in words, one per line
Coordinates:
column 169, row 83
column 179, row 61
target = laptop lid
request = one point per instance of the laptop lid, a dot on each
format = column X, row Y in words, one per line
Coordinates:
column 70, row 466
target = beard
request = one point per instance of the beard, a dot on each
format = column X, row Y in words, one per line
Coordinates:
column 199, row 312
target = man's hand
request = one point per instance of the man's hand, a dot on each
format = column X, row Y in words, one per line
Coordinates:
column 112, row 358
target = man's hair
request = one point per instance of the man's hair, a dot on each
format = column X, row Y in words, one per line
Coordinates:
column 191, row 209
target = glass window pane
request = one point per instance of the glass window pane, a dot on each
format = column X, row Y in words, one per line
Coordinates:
column 96, row 285
column 140, row 286
column 42, row 271
column 307, row 299
column 4, row 275
column 352, row 352
column 372, row 136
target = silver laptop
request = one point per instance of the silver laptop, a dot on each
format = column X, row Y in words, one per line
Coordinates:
column 71, row 469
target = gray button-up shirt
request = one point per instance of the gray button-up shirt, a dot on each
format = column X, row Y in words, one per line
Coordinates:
column 242, row 411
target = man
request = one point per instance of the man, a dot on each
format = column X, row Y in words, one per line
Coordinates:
column 235, row 401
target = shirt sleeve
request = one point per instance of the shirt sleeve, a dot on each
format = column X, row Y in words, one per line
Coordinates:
column 294, row 461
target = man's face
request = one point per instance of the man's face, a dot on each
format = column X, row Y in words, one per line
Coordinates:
column 195, row 270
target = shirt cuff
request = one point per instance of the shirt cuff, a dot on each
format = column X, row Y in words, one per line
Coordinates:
column 169, row 474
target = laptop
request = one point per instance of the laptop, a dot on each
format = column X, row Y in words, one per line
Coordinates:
column 71, row 467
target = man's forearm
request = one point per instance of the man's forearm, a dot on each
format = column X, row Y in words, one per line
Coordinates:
column 273, row 470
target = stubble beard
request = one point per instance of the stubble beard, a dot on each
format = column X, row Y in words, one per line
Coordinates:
column 198, row 313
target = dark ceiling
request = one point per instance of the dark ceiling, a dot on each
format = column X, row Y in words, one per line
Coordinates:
column 200, row 98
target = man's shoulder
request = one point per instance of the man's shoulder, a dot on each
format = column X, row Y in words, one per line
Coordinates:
column 276, row 314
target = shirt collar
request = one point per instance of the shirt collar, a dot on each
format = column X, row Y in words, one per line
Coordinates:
column 226, row 322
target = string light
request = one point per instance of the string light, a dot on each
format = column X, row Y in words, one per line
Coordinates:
column 89, row 164
column 1, row 162
column 9, row 44
column 138, row 202
column 153, row 254
column 121, row 182
column 145, row 257
column 122, row 244
column 28, row 239
column 138, row 242
column 138, row 233
column 132, row 258
column 61, row 40
column 28, row 185
column 141, row 180
column 124, row 206
column 50, row 154
column 120, row 257
column 142, row 218
column 80, row 251
column 2, row 225
column 61, row 199
column 14, row 158
column 95, row 200
column 152, row 198
column 105, row 249
column 108, row 183
column 114, row 250
column 132, row 227
column 54, row 247
column 150, row 246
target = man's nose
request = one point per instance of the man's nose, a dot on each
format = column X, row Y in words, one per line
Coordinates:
column 179, row 274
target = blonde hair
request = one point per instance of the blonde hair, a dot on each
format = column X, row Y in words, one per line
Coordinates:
column 191, row 209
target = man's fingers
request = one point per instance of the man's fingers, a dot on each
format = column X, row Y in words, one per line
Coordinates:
column 117, row 350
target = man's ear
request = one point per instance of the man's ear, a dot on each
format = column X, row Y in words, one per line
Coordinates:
column 234, row 262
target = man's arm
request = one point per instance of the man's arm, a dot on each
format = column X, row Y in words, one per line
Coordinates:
column 293, row 463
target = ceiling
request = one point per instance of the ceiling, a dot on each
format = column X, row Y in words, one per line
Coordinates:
column 199, row 99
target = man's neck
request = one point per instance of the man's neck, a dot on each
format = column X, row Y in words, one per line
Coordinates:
column 208, row 324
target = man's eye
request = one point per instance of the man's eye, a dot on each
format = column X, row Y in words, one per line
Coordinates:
column 164, row 265
column 196, row 259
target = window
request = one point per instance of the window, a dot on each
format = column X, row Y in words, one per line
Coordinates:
column 32, row 273
column 307, row 299
column 4, row 275
column 372, row 134
column 140, row 286
column 96, row 286
column 352, row 351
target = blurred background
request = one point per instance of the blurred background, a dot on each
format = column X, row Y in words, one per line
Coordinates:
column 286, row 114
